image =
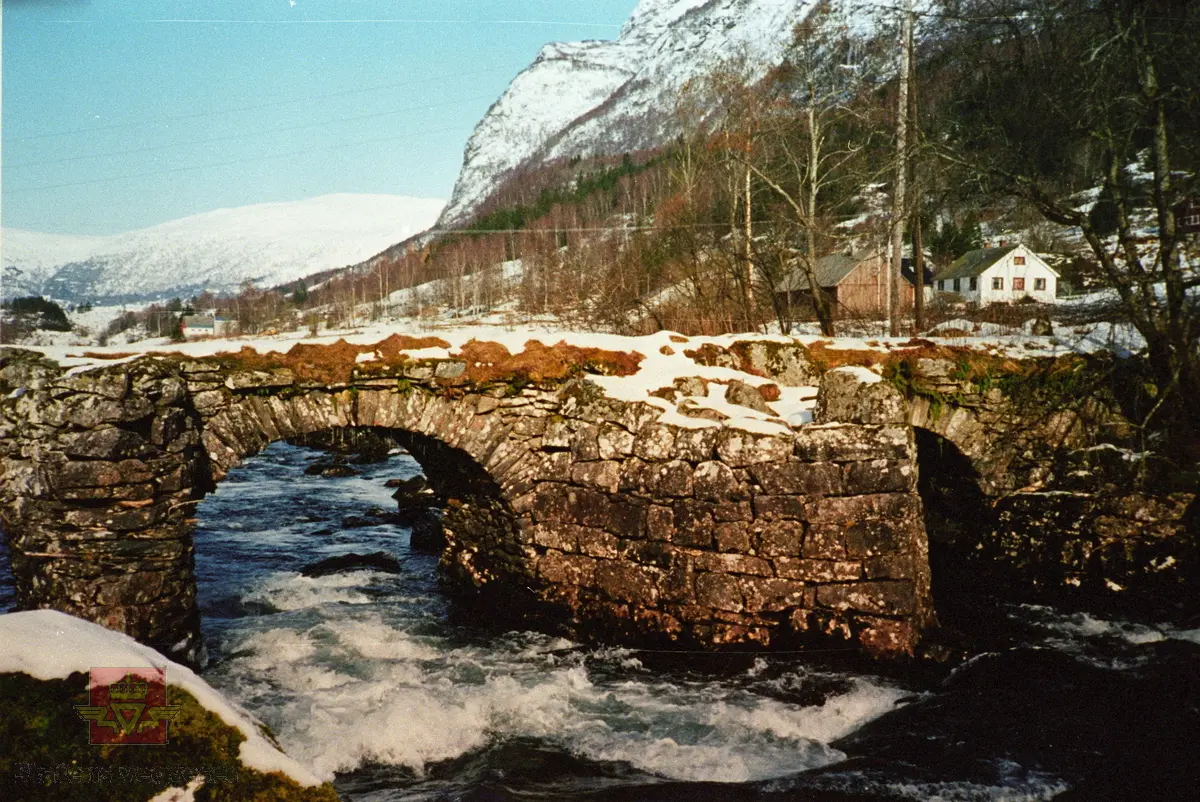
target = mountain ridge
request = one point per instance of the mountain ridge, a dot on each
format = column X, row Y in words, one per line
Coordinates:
column 629, row 103
column 218, row 250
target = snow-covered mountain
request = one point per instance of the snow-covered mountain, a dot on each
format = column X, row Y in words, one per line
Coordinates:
column 268, row 243
column 608, row 97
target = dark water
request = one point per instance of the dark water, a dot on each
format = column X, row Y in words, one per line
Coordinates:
column 372, row 680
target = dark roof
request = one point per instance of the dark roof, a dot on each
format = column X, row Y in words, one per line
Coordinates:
column 198, row 321
column 830, row 271
column 973, row 263
column 906, row 270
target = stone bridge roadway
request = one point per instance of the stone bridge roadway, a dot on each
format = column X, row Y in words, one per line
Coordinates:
column 606, row 518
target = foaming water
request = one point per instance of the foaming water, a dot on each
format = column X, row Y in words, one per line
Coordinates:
column 368, row 679
column 365, row 668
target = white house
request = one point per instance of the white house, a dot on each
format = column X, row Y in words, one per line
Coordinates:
column 206, row 324
column 1003, row 275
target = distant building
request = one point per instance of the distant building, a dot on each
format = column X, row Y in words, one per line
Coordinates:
column 1187, row 217
column 856, row 284
column 206, row 325
column 1005, row 274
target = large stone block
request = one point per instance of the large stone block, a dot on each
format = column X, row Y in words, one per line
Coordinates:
column 655, row 442
column 716, row 481
column 797, row 477
column 567, row 569
column 670, row 479
column 869, row 538
column 787, row 363
column 693, row 526
column 101, row 473
column 733, row 536
column 849, row 509
column 856, row 395
column 660, row 522
column 779, row 538
column 584, row 446
column 614, row 442
column 819, row 571
column 738, row 449
column 105, row 442
column 696, row 445
column 732, row 564
column 776, row 508
column 767, row 595
column 880, row 476
column 627, row 582
column 604, row 475
column 873, row 598
column 849, row 443
column 720, row 592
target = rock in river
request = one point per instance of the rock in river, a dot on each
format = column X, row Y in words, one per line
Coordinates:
column 375, row 561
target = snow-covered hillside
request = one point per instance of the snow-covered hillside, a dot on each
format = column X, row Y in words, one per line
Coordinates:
column 268, row 243
column 593, row 98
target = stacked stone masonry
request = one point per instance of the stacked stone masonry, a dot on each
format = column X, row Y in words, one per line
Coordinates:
column 587, row 510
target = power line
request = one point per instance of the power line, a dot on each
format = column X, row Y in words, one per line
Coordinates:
column 244, row 135
column 599, row 229
column 367, row 21
column 248, row 160
column 257, row 106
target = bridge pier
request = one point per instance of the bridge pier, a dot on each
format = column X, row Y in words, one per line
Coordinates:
column 584, row 510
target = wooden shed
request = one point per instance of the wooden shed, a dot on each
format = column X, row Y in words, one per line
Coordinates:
column 856, row 283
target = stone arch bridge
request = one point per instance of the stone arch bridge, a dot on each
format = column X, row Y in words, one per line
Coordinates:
column 618, row 519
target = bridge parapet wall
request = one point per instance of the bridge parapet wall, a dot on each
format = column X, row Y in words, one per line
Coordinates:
column 591, row 511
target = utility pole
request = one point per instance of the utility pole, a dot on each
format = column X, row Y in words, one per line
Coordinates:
column 918, row 245
column 747, row 264
column 918, row 264
column 894, row 277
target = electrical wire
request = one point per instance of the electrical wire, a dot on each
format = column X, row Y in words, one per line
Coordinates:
column 227, row 138
column 257, row 106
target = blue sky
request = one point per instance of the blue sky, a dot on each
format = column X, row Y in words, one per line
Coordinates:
column 119, row 114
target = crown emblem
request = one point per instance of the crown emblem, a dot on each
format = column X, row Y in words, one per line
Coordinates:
column 128, row 687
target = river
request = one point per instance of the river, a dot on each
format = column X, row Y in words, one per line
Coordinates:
column 377, row 682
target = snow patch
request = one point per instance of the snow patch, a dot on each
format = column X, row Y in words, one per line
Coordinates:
column 47, row 644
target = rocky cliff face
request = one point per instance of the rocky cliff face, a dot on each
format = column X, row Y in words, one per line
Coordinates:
column 595, row 98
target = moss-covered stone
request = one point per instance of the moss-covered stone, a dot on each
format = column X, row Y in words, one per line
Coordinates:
column 45, row 754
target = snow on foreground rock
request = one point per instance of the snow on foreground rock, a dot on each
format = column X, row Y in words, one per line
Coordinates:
column 48, row 645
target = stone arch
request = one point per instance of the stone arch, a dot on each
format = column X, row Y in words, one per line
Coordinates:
column 475, row 455
column 599, row 514
column 956, row 513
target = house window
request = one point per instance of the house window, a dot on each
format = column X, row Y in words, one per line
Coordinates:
column 998, row 283
column 1039, row 285
column 1018, row 260
column 974, row 283
column 957, row 284
column 1018, row 285
column 941, row 284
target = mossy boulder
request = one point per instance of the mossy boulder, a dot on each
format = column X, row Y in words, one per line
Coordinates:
column 45, row 754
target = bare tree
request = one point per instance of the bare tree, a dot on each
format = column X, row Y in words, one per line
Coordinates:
column 811, row 136
column 1112, row 88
